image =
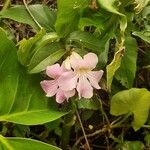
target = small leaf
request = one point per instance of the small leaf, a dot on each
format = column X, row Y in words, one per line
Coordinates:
column 136, row 101
column 126, row 73
column 144, row 35
column 44, row 16
column 28, row 144
column 92, row 104
column 85, row 39
column 133, row 145
column 70, row 10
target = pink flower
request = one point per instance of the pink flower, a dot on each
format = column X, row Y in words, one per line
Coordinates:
column 82, row 78
column 51, row 87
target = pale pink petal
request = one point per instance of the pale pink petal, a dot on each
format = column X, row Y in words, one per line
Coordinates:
column 50, row 87
column 69, row 94
column 94, row 77
column 67, row 81
column 75, row 60
column 60, row 97
column 84, row 88
column 90, row 60
column 54, row 71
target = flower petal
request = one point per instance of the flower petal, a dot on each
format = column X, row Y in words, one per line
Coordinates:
column 84, row 88
column 90, row 60
column 60, row 97
column 75, row 60
column 94, row 77
column 69, row 94
column 50, row 87
column 54, row 71
column 67, row 81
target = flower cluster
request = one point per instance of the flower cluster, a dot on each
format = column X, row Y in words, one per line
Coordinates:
column 75, row 74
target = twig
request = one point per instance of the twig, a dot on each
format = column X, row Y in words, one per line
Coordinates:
column 6, row 4
column 27, row 8
column 103, row 130
column 85, row 136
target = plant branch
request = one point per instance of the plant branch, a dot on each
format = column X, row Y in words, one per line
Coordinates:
column 6, row 4
column 85, row 136
column 103, row 130
column 28, row 10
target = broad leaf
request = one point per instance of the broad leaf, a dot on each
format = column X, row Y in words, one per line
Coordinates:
column 44, row 16
column 21, row 98
column 87, row 40
column 27, row 144
column 68, row 15
column 127, row 70
column 40, row 51
column 136, row 101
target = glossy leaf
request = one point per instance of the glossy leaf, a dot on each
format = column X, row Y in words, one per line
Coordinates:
column 45, row 17
column 71, row 10
column 87, row 40
column 135, row 101
column 21, row 99
column 49, row 60
column 126, row 72
column 28, row 144
column 40, row 51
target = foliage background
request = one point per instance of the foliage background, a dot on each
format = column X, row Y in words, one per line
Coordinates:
column 36, row 34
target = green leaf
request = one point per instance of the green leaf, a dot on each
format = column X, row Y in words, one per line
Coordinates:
column 27, row 47
column 113, row 67
column 92, row 104
column 21, row 98
column 136, row 101
column 28, row 144
column 144, row 35
column 49, row 60
column 126, row 73
column 133, row 145
column 40, row 51
column 87, row 40
column 109, row 6
column 71, row 11
column 44, row 16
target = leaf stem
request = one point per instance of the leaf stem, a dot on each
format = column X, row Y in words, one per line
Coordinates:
column 6, row 4
column 121, row 121
column 28, row 10
column 85, row 136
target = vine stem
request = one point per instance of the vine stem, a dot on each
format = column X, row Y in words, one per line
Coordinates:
column 27, row 8
column 85, row 136
column 6, row 4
